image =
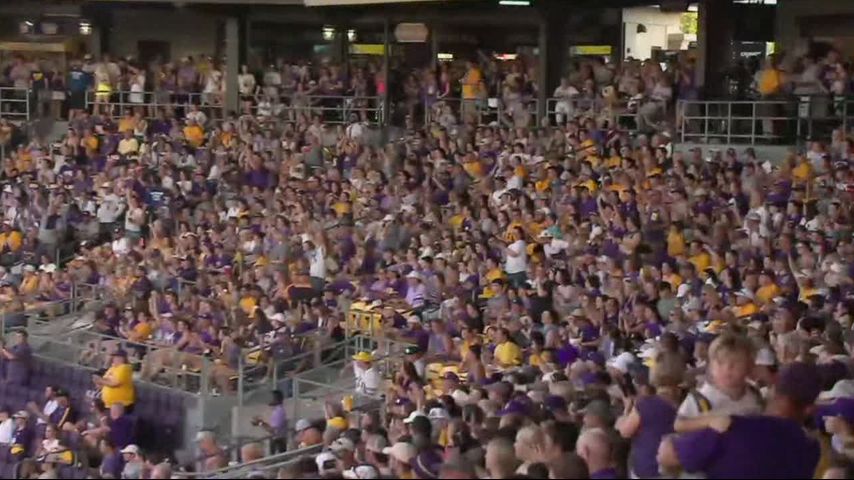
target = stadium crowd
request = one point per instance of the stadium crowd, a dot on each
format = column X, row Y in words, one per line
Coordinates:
column 581, row 301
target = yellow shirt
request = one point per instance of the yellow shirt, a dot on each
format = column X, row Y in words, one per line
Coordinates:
column 248, row 304
column 675, row 244
column 769, row 81
column 673, row 279
column 495, row 274
column 471, row 84
column 457, row 221
column 701, row 263
column 30, row 285
column 767, row 293
column 142, row 331
column 746, row 310
column 13, row 240
column 194, row 134
column 802, row 172
column 127, row 124
column 508, row 353
column 535, row 360
column 473, row 168
column 543, row 185
column 124, row 393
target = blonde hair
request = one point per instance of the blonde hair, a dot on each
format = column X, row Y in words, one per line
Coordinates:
column 529, row 439
column 731, row 344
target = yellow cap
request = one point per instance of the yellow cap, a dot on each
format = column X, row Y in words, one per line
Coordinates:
column 363, row 357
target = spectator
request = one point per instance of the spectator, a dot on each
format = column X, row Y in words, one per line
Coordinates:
column 277, row 425
column 18, row 359
column 212, row 456
column 134, row 462
column 112, row 460
column 117, row 383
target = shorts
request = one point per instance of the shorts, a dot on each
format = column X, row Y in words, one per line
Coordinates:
column 77, row 100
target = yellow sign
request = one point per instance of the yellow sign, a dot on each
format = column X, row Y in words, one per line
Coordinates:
column 32, row 47
column 367, row 49
column 590, row 50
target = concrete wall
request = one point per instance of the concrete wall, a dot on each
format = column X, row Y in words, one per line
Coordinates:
column 791, row 12
column 189, row 32
column 658, row 25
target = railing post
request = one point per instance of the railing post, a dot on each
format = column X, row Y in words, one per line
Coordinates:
column 706, row 124
column 296, row 397
column 29, row 93
column 204, row 382
column 753, row 123
column 240, row 372
column 729, row 123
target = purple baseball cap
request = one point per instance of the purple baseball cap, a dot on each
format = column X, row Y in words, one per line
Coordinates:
column 842, row 407
column 514, row 407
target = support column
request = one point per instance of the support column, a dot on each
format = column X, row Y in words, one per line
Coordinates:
column 714, row 42
column 232, row 63
column 543, row 71
column 386, row 53
column 434, row 47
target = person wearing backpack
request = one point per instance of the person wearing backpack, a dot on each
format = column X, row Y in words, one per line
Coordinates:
column 727, row 390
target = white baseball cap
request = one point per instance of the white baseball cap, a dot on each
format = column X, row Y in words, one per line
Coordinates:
column 362, row 471
column 132, row 449
column 622, row 362
column 342, row 443
column 412, row 416
column 402, row 451
column 302, row 424
column 841, row 389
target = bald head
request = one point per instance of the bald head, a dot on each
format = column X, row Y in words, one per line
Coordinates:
column 161, row 470
column 594, row 447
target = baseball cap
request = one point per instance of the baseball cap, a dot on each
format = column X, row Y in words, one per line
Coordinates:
column 21, row 414
column 800, row 382
column 326, row 463
column 412, row 416
column 841, row 389
column 363, row 357
column 362, row 471
column 302, row 424
column 402, row 451
column 621, row 362
column 514, row 407
column 502, row 388
column 132, row 449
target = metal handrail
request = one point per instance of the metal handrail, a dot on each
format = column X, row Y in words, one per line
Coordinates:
column 790, row 120
column 15, row 103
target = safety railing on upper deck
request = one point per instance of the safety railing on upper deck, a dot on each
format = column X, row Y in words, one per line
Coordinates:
column 15, row 104
column 332, row 109
column 786, row 121
column 560, row 110
column 448, row 111
column 160, row 365
column 148, row 104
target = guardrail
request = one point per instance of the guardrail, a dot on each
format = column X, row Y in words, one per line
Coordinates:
column 559, row 110
column 15, row 104
column 122, row 102
column 786, row 121
column 446, row 110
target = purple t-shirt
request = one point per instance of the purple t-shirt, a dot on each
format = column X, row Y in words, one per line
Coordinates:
column 121, row 431
column 18, row 370
column 657, row 416
column 753, row 447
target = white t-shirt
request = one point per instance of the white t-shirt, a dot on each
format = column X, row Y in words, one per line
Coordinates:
column 554, row 247
column 7, row 431
column 367, row 381
column 749, row 404
column 519, row 263
column 317, row 263
column 49, row 408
